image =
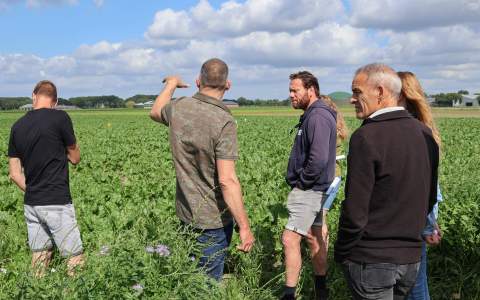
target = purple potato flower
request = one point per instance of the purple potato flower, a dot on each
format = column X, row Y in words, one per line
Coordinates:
column 138, row 288
column 162, row 250
column 104, row 250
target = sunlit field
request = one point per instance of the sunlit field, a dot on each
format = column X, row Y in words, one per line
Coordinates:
column 124, row 191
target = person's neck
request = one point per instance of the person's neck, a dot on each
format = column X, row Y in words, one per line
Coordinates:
column 310, row 103
column 214, row 93
column 40, row 105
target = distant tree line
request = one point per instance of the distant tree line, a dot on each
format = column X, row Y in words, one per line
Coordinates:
column 112, row 101
column 242, row 101
column 97, row 102
column 7, row 103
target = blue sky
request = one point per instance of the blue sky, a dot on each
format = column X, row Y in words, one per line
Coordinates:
column 59, row 29
column 101, row 47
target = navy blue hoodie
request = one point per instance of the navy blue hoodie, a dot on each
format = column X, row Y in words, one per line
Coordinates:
column 312, row 160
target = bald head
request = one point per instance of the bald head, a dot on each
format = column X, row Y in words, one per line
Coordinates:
column 213, row 74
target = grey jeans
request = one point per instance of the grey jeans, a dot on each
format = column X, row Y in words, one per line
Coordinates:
column 382, row 281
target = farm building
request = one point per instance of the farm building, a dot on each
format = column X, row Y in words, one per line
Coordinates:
column 145, row 105
column 467, row 101
column 26, row 107
column 230, row 103
column 149, row 104
column 66, row 107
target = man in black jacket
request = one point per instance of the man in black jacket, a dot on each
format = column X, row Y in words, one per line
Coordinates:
column 390, row 188
column 311, row 169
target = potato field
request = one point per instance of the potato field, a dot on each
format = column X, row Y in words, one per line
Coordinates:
column 124, row 190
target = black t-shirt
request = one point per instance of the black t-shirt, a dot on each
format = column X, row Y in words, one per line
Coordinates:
column 40, row 139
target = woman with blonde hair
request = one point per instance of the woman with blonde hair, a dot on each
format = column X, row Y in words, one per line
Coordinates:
column 342, row 135
column 413, row 99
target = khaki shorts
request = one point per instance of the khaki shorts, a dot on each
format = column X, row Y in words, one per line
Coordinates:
column 304, row 210
column 49, row 224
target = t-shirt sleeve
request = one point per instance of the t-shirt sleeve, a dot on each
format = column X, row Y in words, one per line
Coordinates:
column 166, row 114
column 66, row 131
column 12, row 149
column 226, row 146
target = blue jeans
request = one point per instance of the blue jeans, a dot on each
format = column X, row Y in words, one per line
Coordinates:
column 420, row 289
column 214, row 245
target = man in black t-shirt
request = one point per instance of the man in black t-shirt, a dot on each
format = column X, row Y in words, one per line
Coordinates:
column 42, row 142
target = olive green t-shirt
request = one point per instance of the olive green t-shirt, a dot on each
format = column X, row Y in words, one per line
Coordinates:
column 201, row 130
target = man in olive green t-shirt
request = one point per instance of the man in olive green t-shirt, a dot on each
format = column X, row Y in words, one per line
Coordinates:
column 203, row 141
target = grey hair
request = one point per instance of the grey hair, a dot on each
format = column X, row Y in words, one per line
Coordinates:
column 381, row 74
column 214, row 73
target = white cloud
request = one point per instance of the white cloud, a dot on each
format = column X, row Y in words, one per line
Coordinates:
column 98, row 50
column 413, row 14
column 264, row 41
column 435, row 46
column 236, row 19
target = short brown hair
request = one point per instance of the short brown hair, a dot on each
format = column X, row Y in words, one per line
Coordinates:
column 308, row 80
column 46, row 88
column 214, row 73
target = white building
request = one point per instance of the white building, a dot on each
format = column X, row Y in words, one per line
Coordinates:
column 145, row 105
column 26, row 107
column 467, row 101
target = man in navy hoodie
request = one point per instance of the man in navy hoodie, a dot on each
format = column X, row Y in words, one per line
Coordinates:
column 311, row 169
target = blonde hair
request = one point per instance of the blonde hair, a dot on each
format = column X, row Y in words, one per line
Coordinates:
column 342, row 129
column 416, row 103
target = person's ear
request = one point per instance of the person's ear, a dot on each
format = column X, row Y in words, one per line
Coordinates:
column 381, row 93
column 228, row 85
column 311, row 93
column 34, row 99
column 197, row 82
column 55, row 103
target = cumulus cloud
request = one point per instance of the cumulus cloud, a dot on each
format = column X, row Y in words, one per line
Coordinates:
column 445, row 46
column 236, row 19
column 413, row 14
column 263, row 41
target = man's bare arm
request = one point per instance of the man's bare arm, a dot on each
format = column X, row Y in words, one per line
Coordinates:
column 15, row 172
column 73, row 154
column 171, row 84
column 232, row 193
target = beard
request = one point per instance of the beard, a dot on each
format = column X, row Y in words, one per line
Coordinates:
column 302, row 102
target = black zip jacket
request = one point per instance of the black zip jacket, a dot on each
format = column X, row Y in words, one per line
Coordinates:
column 391, row 186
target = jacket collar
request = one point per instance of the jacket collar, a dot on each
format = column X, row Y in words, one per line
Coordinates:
column 317, row 104
column 398, row 114
column 211, row 100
